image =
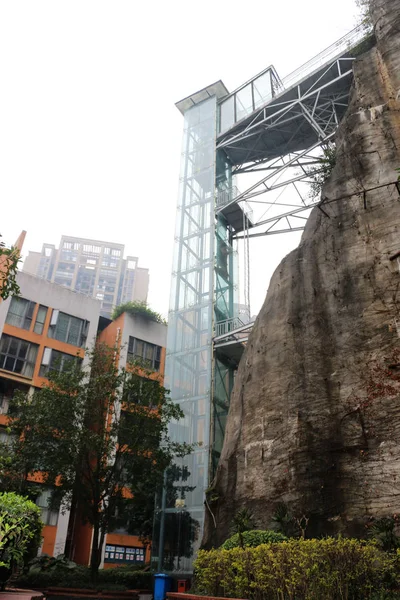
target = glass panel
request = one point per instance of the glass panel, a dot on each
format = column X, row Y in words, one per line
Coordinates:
column 13, row 348
column 74, row 331
column 262, row 89
column 23, row 348
column 189, row 352
column 244, row 102
column 40, row 319
column 227, row 114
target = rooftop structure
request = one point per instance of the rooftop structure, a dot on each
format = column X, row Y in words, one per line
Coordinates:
column 91, row 267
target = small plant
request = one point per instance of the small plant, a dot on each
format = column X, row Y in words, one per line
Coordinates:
column 284, row 522
column 138, row 308
column 321, row 173
column 366, row 15
column 242, row 521
column 383, row 531
column 9, row 259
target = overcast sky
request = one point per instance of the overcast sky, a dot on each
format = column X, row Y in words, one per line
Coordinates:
column 89, row 134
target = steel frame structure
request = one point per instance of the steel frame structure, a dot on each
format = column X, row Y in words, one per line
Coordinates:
column 272, row 130
column 283, row 139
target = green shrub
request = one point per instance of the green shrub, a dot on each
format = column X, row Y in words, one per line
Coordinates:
column 129, row 577
column 252, row 539
column 46, row 572
column 138, row 308
column 20, row 532
column 328, row 569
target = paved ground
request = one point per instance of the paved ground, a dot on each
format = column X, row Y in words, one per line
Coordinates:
column 20, row 595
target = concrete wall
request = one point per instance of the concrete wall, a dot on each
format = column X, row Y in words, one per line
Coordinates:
column 141, row 284
column 31, row 263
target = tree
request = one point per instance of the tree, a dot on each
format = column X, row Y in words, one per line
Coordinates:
column 321, row 173
column 9, row 259
column 20, row 532
column 98, row 438
column 241, row 522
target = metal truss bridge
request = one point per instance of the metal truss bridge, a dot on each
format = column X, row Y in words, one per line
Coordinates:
column 273, row 132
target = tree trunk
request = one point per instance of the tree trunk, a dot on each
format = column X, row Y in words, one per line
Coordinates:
column 95, row 557
column 99, row 535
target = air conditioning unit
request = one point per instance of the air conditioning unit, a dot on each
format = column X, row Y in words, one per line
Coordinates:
column 54, row 317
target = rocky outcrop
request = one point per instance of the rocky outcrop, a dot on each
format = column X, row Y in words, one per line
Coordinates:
column 302, row 428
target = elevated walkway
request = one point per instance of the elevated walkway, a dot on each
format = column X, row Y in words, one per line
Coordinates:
column 231, row 337
column 277, row 129
column 296, row 112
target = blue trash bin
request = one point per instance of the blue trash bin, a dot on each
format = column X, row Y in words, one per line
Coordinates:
column 162, row 585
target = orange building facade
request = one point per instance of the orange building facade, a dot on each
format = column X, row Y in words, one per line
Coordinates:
column 44, row 328
column 136, row 338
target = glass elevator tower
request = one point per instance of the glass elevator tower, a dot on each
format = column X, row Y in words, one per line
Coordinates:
column 204, row 293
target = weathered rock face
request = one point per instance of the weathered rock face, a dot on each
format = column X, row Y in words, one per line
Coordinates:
column 298, row 430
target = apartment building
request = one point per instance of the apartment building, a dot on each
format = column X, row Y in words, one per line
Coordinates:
column 137, row 338
column 44, row 328
column 94, row 268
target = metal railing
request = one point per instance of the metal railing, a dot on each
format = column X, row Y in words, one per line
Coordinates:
column 225, row 327
column 346, row 43
column 225, row 197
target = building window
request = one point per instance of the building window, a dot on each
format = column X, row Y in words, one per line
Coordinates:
column 6, row 438
column 88, row 248
column 124, row 554
column 144, row 353
column 40, row 319
column 53, row 360
column 17, row 355
column 67, row 328
column 20, row 313
column 49, row 513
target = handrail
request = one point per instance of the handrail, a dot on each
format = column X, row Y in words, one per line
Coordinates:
column 224, row 327
column 347, row 42
column 226, row 196
column 332, row 52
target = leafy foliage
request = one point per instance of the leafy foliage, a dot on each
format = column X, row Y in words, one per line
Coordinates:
column 20, row 531
column 383, row 531
column 138, row 308
column 46, row 571
column 284, row 522
column 321, row 173
column 366, row 15
column 9, row 259
column 241, row 522
column 332, row 569
column 252, row 539
column 96, row 439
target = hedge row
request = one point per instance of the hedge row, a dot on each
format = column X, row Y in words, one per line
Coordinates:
column 328, row 569
column 118, row 577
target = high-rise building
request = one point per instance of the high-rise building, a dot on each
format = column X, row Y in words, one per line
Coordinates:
column 91, row 267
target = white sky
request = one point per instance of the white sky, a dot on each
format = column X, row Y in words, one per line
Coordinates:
column 89, row 134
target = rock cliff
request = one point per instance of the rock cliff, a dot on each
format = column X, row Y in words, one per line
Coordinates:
column 304, row 426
